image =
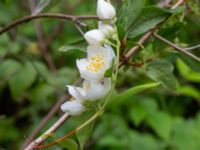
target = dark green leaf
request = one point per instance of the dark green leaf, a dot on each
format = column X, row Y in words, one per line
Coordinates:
column 76, row 45
column 69, row 144
column 128, row 12
column 84, row 134
column 148, row 19
column 162, row 71
column 9, row 68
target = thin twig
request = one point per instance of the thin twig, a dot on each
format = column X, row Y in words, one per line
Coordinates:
column 192, row 48
column 45, row 15
column 51, row 130
column 180, row 49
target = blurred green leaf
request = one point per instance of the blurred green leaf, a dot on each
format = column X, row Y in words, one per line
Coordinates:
column 185, row 135
column 162, row 71
column 69, row 144
column 84, row 134
column 9, row 68
column 41, row 92
column 121, row 98
column 186, row 72
column 138, row 113
column 76, row 45
column 189, row 91
column 8, row 130
column 161, row 123
column 22, row 80
column 139, row 141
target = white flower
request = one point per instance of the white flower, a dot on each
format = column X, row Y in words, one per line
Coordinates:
column 74, row 106
column 107, row 29
column 105, row 10
column 96, row 90
column 98, row 60
column 95, row 37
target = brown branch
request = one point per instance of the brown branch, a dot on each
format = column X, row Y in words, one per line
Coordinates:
column 134, row 49
column 51, row 130
column 45, row 15
column 180, row 49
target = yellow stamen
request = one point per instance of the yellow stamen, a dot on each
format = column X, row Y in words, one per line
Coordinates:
column 96, row 63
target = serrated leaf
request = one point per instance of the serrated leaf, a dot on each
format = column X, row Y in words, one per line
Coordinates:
column 148, row 19
column 121, row 98
column 79, row 45
column 162, row 71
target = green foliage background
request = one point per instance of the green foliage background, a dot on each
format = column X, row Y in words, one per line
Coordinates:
column 166, row 117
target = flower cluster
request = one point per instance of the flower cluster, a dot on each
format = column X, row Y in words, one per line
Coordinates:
column 100, row 56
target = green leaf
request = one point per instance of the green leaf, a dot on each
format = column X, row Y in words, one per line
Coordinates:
column 194, row 65
column 69, row 144
column 143, row 141
column 189, row 91
column 121, row 98
column 161, row 123
column 148, row 19
column 22, row 80
column 187, row 72
column 128, row 12
column 41, row 92
column 76, row 45
column 162, row 71
column 138, row 113
column 84, row 134
column 9, row 68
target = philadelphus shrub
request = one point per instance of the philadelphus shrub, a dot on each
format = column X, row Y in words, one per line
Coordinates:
column 100, row 56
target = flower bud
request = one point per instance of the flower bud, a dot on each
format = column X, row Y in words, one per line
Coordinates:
column 94, row 37
column 107, row 29
column 105, row 10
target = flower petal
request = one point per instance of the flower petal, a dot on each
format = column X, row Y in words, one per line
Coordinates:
column 73, row 107
column 96, row 90
column 94, row 37
column 109, row 55
column 77, row 92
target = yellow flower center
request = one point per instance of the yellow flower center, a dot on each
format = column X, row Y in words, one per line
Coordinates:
column 96, row 63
